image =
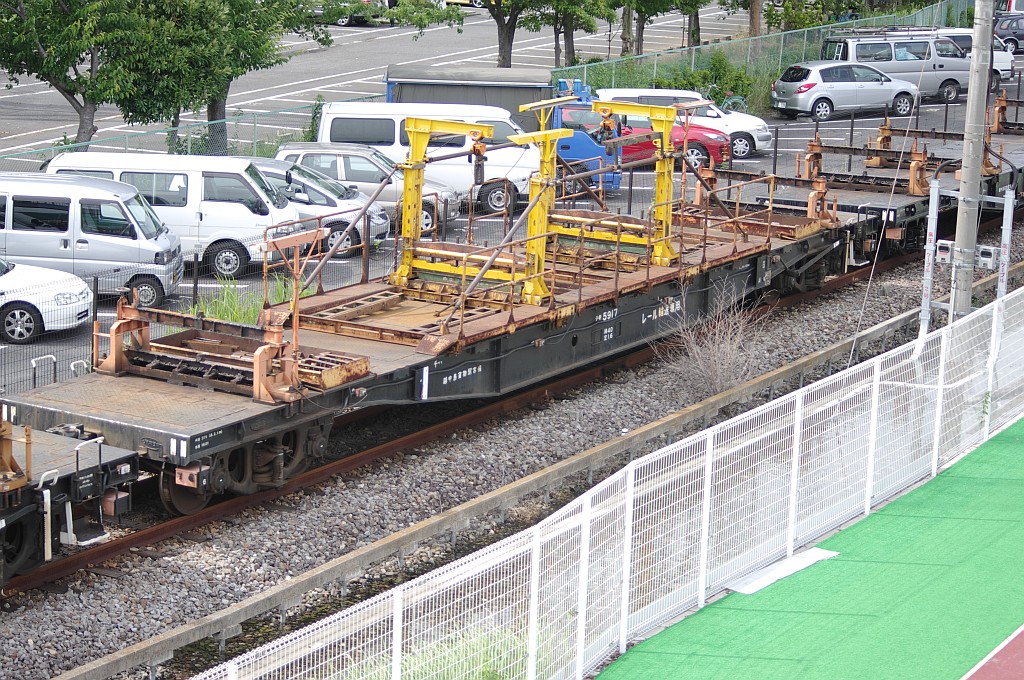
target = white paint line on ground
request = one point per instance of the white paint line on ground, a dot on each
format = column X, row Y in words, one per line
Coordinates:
column 762, row 578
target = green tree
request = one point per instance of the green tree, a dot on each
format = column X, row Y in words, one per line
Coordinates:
column 169, row 59
column 565, row 17
column 645, row 11
column 62, row 44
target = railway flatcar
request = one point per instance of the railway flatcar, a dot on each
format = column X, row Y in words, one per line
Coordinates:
column 223, row 408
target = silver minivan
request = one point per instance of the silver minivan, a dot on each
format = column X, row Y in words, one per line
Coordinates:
column 89, row 227
column 935, row 64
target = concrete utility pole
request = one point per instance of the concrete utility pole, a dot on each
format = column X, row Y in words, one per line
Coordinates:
column 974, row 152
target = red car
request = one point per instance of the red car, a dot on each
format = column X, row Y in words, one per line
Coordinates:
column 702, row 142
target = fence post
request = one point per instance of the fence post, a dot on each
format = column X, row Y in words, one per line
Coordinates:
column 794, row 486
column 869, row 477
column 255, row 130
column 584, row 582
column 655, row 77
column 939, row 389
column 627, row 555
column 803, row 53
column 396, row 634
column 533, row 624
column 705, row 520
column 993, row 354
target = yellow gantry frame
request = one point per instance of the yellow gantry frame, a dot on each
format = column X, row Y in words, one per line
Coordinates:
column 420, row 130
column 535, row 291
column 662, row 120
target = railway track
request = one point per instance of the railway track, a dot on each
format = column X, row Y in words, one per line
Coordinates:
column 147, row 536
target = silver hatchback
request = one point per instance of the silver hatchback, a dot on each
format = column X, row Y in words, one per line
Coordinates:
column 825, row 88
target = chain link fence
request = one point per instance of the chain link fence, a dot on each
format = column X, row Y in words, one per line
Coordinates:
column 763, row 58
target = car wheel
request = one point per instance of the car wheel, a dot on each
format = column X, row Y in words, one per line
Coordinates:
column 427, row 220
column 21, row 323
column 1011, row 44
column 349, row 241
column 696, row 155
column 822, row 110
column 477, row 3
column 151, row 293
column 227, row 260
column 742, row 145
column 495, row 197
column 949, row 91
column 346, row 20
column 903, row 104
column 996, row 82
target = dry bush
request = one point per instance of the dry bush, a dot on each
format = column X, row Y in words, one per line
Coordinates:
column 715, row 353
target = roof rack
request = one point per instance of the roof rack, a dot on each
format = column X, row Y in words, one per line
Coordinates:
column 884, row 30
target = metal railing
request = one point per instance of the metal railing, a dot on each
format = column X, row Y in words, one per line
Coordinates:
column 675, row 528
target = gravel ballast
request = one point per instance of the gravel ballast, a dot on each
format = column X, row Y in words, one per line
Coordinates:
column 43, row 633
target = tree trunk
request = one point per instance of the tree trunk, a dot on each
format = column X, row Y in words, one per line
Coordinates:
column 173, row 138
column 627, row 32
column 641, row 24
column 217, row 131
column 694, row 29
column 558, row 44
column 756, row 12
column 570, row 43
column 86, row 123
column 506, row 34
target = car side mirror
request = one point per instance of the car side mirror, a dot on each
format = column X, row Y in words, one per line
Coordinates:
column 300, row 197
column 712, row 114
column 260, row 208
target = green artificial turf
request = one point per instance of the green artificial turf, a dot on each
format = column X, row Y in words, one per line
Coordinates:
column 924, row 588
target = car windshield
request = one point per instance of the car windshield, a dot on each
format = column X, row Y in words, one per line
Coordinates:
column 329, row 186
column 147, row 221
column 259, row 180
column 5, row 267
column 386, row 164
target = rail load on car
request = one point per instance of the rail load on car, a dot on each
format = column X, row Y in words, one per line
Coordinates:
column 215, row 407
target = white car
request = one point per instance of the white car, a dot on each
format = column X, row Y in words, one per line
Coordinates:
column 748, row 134
column 36, row 299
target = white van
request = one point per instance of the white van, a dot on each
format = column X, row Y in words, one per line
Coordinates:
column 219, row 204
column 935, row 64
column 382, row 126
column 91, row 228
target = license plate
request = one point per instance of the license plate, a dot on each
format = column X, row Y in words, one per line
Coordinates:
column 781, row 105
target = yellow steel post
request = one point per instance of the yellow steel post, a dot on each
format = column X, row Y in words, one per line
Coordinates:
column 419, row 130
column 535, row 291
column 662, row 119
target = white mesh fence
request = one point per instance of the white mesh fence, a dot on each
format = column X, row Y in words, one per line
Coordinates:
column 679, row 525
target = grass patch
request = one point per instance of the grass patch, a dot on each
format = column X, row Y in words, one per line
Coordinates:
column 235, row 303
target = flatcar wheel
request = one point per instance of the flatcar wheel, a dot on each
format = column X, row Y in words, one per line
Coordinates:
column 18, row 543
column 180, row 500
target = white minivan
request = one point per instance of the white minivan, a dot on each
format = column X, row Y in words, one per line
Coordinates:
column 218, row 204
column 94, row 228
column 382, row 126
